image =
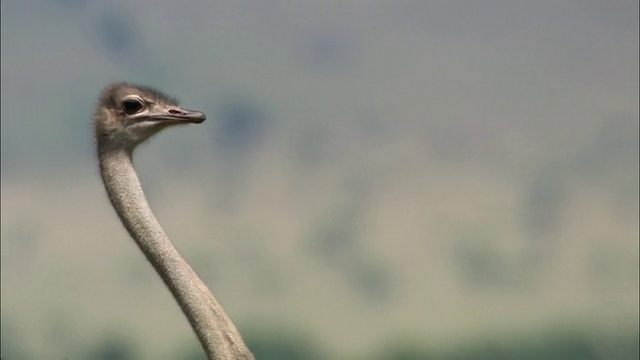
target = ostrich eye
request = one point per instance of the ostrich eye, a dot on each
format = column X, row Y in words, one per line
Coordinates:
column 132, row 106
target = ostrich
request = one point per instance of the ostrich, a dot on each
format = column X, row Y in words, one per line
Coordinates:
column 126, row 116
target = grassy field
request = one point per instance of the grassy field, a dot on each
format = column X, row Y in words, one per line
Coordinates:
column 356, row 258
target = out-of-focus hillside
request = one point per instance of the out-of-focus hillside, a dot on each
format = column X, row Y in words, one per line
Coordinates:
column 438, row 251
column 370, row 179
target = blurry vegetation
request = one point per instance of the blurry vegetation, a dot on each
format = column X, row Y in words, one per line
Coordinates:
column 270, row 344
column 611, row 161
column 113, row 347
column 546, row 345
column 309, row 148
column 239, row 131
column 11, row 343
column 194, row 351
column 240, row 127
column 292, row 344
column 337, row 242
column 59, row 329
column 610, row 269
column 545, row 198
column 335, row 237
column 22, row 239
column 613, row 148
column 481, row 264
column 373, row 280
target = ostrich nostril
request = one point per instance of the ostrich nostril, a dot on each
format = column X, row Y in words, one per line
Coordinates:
column 175, row 112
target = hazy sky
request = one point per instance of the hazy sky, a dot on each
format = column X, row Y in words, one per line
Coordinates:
column 531, row 62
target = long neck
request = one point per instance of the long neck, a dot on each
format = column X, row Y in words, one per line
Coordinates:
column 214, row 329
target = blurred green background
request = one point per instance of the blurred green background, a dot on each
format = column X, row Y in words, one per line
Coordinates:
column 375, row 180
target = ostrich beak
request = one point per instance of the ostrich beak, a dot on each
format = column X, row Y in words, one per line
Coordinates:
column 176, row 114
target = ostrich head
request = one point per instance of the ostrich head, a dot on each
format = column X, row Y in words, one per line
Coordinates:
column 128, row 114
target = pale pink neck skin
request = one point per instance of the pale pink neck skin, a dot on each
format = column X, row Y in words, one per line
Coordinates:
column 214, row 329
